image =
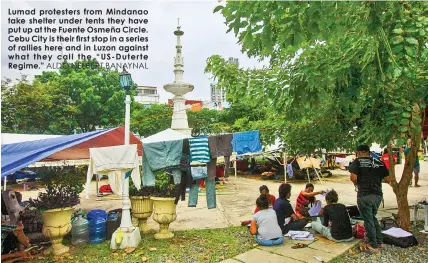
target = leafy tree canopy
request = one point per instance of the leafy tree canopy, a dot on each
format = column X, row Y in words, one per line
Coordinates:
column 80, row 96
column 333, row 66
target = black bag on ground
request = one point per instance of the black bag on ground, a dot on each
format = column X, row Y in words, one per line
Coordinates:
column 403, row 242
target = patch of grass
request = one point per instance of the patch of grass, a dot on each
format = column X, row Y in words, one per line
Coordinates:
column 338, row 259
column 211, row 245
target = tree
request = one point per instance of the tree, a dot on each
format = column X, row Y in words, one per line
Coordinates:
column 25, row 106
column 341, row 73
column 151, row 120
column 90, row 95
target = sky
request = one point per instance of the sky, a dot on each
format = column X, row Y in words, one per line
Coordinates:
column 204, row 35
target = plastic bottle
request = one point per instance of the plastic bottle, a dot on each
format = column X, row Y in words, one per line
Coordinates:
column 80, row 231
column 97, row 226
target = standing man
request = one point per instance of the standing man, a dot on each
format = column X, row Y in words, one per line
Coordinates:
column 367, row 175
column 417, row 167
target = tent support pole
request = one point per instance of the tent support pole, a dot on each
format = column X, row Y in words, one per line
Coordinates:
column 5, row 181
column 285, row 167
column 96, row 179
column 319, row 177
column 307, row 173
column 236, row 169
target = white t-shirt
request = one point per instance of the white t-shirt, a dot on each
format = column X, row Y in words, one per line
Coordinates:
column 267, row 224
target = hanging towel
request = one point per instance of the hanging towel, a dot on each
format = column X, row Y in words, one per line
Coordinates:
column 290, row 171
column 199, row 172
column 226, row 166
column 160, row 155
column 246, row 142
column 220, row 145
column 199, row 150
column 211, row 169
column 114, row 161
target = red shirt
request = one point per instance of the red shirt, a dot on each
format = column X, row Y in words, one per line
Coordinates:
column 385, row 160
column 272, row 200
column 301, row 201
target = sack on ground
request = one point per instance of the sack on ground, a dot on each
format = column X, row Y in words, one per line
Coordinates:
column 359, row 231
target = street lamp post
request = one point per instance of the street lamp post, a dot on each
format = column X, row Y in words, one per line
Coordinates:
column 126, row 222
column 131, row 235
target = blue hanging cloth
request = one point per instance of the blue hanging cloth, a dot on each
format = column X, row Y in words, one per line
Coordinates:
column 246, row 142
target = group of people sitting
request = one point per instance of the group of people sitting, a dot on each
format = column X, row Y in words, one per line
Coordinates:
column 275, row 217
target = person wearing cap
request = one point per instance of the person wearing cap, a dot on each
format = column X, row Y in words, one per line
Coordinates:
column 367, row 175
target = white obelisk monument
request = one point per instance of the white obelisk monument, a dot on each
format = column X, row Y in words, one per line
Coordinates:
column 178, row 88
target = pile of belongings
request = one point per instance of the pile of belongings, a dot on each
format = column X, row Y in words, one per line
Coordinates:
column 300, row 235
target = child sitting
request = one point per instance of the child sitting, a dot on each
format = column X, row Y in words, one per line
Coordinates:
column 265, row 224
column 337, row 226
column 264, row 190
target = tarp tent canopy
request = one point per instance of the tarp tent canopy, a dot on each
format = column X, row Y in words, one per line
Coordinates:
column 8, row 138
column 71, row 147
column 165, row 136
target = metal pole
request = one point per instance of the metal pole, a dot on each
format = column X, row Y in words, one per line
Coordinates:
column 236, row 169
column 5, row 180
column 285, row 167
column 126, row 222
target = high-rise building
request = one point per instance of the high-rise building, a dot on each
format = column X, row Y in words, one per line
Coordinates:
column 219, row 95
column 147, row 95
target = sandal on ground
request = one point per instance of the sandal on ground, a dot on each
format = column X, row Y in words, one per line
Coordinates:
column 416, row 185
column 299, row 245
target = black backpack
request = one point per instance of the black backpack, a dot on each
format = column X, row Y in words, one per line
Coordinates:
column 403, row 242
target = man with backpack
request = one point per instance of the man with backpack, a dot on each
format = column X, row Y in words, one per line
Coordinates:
column 367, row 175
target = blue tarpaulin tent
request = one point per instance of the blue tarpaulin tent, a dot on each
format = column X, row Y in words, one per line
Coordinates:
column 16, row 156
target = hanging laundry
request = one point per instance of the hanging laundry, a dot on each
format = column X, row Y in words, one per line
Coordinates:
column 226, row 165
column 199, row 172
column 290, row 171
column 199, row 150
column 160, row 155
column 114, row 161
column 210, row 194
column 220, row 145
column 246, row 142
column 193, row 194
column 211, row 169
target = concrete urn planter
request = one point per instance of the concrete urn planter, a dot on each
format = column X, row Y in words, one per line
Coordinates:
column 57, row 224
column 142, row 209
column 164, row 214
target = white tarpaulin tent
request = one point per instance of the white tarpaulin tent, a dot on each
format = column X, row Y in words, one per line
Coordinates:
column 166, row 135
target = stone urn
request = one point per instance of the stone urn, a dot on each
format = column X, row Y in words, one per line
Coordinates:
column 164, row 213
column 142, row 209
column 57, row 224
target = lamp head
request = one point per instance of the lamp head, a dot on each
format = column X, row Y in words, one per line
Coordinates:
column 125, row 80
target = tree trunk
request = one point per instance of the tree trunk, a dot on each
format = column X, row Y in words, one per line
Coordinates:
column 403, row 207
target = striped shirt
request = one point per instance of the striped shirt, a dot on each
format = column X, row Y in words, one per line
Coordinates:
column 199, row 150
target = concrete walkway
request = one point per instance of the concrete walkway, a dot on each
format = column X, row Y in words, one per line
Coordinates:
column 322, row 249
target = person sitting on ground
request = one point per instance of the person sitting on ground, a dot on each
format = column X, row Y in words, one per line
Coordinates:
column 337, row 225
column 306, row 199
column 264, row 190
column 264, row 225
column 287, row 219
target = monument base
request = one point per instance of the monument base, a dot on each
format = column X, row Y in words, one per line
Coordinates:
column 130, row 239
